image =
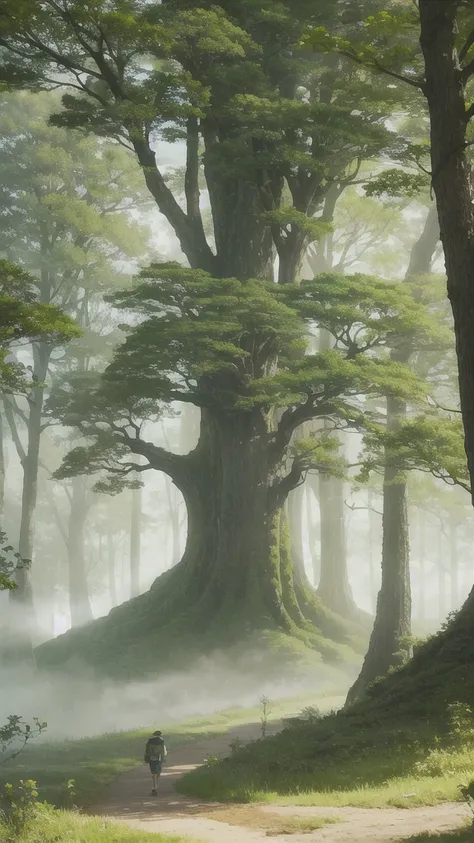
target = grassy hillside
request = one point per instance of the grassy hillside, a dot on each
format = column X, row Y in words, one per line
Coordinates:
column 405, row 744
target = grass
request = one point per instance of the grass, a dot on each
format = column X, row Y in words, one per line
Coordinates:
column 94, row 762
column 325, row 764
column 396, row 747
column 464, row 834
column 273, row 824
column 53, row 826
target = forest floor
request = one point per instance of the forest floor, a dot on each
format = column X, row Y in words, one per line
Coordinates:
column 128, row 801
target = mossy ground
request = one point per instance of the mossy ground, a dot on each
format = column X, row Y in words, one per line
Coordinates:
column 119, row 645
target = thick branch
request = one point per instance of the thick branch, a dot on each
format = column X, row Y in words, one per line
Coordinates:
column 296, row 476
column 175, row 466
column 415, row 83
column 294, row 418
column 189, row 231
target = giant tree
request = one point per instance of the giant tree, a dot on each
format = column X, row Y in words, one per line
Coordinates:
column 235, row 349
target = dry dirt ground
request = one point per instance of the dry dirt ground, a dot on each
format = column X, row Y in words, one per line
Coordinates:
column 128, row 801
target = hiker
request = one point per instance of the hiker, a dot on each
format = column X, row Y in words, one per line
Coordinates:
column 155, row 754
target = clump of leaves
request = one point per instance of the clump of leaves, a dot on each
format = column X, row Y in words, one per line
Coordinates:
column 18, row 808
column 15, row 734
column 461, row 723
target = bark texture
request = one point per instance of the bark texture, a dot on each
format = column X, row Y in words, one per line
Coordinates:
column 452, row 184
column 79, row 601
column 236, row 575
column 389, row 644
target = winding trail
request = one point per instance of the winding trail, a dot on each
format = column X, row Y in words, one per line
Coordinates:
column 128, row 801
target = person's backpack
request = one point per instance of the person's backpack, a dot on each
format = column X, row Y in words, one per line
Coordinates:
column 155, row 750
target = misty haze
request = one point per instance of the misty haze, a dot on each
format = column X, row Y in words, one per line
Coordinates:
column 236, row 421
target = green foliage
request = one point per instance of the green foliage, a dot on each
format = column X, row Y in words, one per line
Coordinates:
column 224, row 344
column 428, row 443
column 15, row 734
column 18, row 808
column 397, row 183
column 272, row 123
column 24, row 319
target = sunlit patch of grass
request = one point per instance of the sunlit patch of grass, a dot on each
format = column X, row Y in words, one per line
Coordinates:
column 54, row 826
column 317, row 765
column 253, row 817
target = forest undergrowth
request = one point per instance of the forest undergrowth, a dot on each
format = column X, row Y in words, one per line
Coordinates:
column 409, row 742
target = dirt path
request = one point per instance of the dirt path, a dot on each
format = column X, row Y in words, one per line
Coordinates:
column 127, row 800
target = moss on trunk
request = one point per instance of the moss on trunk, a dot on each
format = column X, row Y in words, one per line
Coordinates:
column 236, row 575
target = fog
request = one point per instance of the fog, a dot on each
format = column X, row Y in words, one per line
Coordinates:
column 81, row 705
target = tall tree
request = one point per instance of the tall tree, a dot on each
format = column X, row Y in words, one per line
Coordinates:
column 390, row 640
column 272, row 131
column 233, row 349
column 65, row 219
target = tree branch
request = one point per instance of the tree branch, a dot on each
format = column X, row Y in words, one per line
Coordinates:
column 175, row 466
column 189, row 232
column 294, row 418
column 419, row 84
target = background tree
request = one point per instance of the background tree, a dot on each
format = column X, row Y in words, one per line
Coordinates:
column 65, row 217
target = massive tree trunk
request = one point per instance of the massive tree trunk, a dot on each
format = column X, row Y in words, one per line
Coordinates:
column 79, row 602
column 389, row 644
column 452, row 183
column 236, row 575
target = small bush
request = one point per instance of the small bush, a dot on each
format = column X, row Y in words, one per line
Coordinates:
column 461, row 724
column 18, row 807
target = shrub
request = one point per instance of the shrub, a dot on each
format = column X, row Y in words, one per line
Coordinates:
column 18, row 807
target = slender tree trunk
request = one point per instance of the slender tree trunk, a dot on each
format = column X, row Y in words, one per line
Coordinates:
column 388, row 640
column 79, row 602
column 334, row 588
column 442, row 603
column 371, row 541
column 313, row 531
column 22, row 596
column 454, row 565
column 2, row 467
column 389, row 644
column 135, row 542
column 174, row 522
column 111, row 568
column 295, row 523
column 422, row 571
